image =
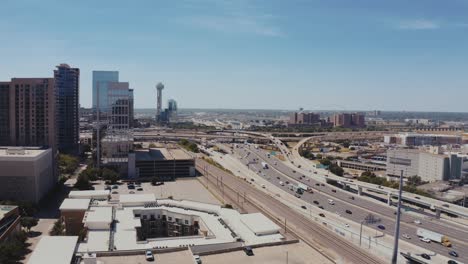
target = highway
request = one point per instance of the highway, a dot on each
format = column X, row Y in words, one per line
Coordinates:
column 359, row 207
column 302, row 226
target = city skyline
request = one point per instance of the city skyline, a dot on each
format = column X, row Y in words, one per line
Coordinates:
column 252, row 54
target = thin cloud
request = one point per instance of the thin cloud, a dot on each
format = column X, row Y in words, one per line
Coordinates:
column 418, row 24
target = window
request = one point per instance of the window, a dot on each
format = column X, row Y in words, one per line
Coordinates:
column 186, row 222
column 169, row 218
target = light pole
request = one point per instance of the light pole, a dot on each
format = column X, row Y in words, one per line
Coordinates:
column 397, row 224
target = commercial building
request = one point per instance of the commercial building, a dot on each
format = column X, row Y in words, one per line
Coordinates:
column 303, row 118
column 55, row 250
column 72, row 212
column 348, row 120
column 9, row 221
column 164, row 164
column 413, row 139
column 429, row 166
column 101, row 80
column 67, row 85
column 27, row 173
column 28, row 112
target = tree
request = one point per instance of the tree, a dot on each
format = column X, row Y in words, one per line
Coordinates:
column 110, row 175
column 67, row 163
column 152, row 145
column 82, row 182
column 58, row 229
column 414, row 180
column 28, row 222
column 13, row 249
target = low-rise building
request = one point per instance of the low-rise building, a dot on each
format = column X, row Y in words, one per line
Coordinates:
column 9, row 221
column 414, row 139
column 27, row 173
column 72, row 212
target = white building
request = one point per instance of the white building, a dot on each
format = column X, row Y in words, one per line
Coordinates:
column 26, row 173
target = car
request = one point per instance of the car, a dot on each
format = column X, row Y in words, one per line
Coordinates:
column 316, row 202
column 278, row 177
column 418, row 222
column 297, row 195
column 317, row 184
column 149, row 255
column 315, row 172
column 406, row 236
column 294, row 171
column 304, row 207
column 322, row 215
column 131, row 192
column 115, row 187
column 263, row 186
column 425, row 256
column 115, row 192
column 248, row 251
column 140, row 189
column 346, row 225
column 252, row 179
column 287, row 182
column 351, row 197
column 453, row 254
column 348, row 211
column 108, row 188
column 381, row 227
column 321, row 207
column 425, row 239
column 131, row 186
column 417, row 197
column 334, row 190
column 446, row 205
column 310, row 191
column 323, row 184
column 197, row 259
column 452, row 262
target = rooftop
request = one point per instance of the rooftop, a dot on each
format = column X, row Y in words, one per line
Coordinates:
column 75, row 204
column 161, row 154
column 136, row 199
column 7, row 153
column 98, row 214
column 96, row 194
column 5, row 209
column 54, row 250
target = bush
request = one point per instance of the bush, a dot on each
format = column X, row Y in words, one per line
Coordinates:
column 28, row 222
column 13, row 250
column 58, row 229
column 188, row 145
column 110, row 175
column 67, row 163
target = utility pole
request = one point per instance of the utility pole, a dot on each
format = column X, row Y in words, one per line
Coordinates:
column 360, row 234
column 285, row 227
column 397, row 225
column 98, row 136
column 287, row 257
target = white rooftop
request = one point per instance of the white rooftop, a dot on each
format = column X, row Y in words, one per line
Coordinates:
column 136, row 199
column 96, row 194
column 75, row 204
column 54, row 250
column 98, row 215
column 259, row 224
column 15, row 153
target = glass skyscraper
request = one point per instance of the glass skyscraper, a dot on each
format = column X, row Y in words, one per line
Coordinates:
column 101, row 80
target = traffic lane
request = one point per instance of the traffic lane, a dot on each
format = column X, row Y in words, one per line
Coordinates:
column 357, row 216
column 434, row 225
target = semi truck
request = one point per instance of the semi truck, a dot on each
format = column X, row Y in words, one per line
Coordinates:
column 434, row 236
column 264, row 165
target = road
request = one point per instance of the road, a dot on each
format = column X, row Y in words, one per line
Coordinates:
column 359, row 207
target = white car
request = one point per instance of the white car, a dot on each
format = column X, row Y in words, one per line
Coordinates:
column 425, row 239
column 417, row 222
column 263, row 186
column 406, row 236
column 346, row 225
column 149, row 255
column 197, row 259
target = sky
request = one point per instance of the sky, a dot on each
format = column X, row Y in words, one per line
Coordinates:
column 255, row 54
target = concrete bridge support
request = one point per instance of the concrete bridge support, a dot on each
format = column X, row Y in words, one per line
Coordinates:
column 389, row 198
column 359, row 191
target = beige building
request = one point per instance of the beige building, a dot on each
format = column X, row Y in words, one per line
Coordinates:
column 26, row 173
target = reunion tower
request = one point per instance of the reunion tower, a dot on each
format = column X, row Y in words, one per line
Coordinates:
column 159, row 88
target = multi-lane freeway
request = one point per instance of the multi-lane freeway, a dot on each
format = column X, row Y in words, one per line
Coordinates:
column 302, row 226
column 359, row 207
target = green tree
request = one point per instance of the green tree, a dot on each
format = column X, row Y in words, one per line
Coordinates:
column 67, row 163
column 13, row 249
column 82, row 182
column 58, row 229
column 110, row 175
column 152, row 145
column 414, row 180
column 28, row 222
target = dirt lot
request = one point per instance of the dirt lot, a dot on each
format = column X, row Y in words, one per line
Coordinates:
column 298, row 253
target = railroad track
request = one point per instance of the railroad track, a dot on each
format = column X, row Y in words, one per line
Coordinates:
column 327, row 238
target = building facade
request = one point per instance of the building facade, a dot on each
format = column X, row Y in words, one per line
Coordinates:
column 302, row 118
column 27, row 173
column 31, row 112
column 101, row 80
column 67, row 85
column 348, row 120
column 9, row 221
column 413, row 139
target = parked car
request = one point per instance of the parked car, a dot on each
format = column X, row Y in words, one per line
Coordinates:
column 351, row 197
column 453, row 254
column 317, row 184
column 417, row 197
column 418, row 222
column 424, row 239
column 304, row 207
column 381, row 227
column 406, row 236
column 321, row 207
column 425, row 256
column 131, row 186
column 131, row 192
column 197, row 259
column 115, row 192
column 149, row 255
column 333, row 190
column 115, row 187
column 446, row 205
column 322, row 215
column 316, row 202
column 346, row 225
column 248, row 251
column 140, row 189
column 452, row 262
column 349, row 212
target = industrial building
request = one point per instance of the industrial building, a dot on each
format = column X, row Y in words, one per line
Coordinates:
column 27, row 173
column 165, row 164
column 413, row 139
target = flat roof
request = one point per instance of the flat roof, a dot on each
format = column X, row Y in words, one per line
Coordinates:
column 259, row 224
column 137, row 198
column 161, row 154
column 75, row 204
column 5, row 209
column 54, row 250
column 99, row 214
column 89, row 194
column 19, row 153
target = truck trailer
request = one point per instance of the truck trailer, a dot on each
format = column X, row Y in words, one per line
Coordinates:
column 434, row 236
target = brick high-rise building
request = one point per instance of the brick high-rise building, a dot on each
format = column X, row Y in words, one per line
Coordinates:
column 67, row 85
column 348, row 120
column 28, row 112
column 302, row 118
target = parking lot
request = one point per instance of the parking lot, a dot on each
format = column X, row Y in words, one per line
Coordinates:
column 187, row 188
column 298, row 253
column 180, row 257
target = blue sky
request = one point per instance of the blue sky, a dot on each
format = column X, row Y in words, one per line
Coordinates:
column 265, row 54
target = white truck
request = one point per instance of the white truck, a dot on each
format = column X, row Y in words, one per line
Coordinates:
column 434, row 236
column 264, row 165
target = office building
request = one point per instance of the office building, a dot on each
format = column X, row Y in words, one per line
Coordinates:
column 67, row 85
column 413, row 139
column 161, row 163
column 348, row 120
column 9, row 221
column 303, row 118
column 101, row 80
column 28, row 112
column 27, row 173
